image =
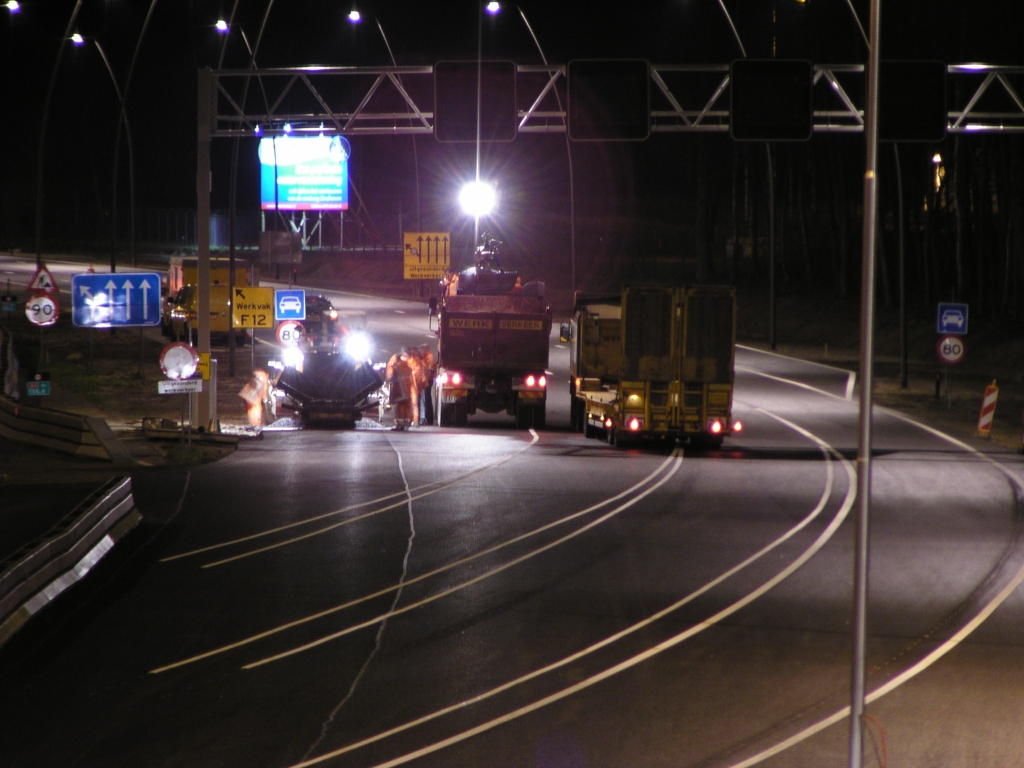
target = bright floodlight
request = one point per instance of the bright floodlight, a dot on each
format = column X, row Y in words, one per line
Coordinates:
column 358, row 346
column 477, row 198
column 354, row 16
column 493, row 7
column 77, row 39
column 222, row 26
column 13, row 6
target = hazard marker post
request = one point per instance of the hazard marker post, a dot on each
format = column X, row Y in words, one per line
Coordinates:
column 988, row 409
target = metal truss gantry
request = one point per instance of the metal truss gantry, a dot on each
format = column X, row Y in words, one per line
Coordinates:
column 685, row 98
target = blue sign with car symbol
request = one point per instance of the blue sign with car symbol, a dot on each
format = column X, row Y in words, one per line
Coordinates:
column 289, row 304
column 952, row 318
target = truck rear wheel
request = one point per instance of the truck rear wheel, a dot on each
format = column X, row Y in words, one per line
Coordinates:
column 588, row 431
column 446, row 415
column 461, row 413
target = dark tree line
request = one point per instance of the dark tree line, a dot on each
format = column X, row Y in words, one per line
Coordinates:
column 962, row 214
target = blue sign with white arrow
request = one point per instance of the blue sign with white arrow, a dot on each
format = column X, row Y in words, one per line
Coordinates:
column 289, row 304
column 952, row 318
column 115, row 299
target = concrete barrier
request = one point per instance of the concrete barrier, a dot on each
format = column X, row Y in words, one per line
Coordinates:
column 60, row 431
column 38, row 572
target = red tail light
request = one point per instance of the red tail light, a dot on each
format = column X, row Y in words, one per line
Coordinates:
column 456, row 379
column 543, row 381
column 716, row 427
column 608, row 423
column 634, row 424
column 737, row 427
column 531, row 380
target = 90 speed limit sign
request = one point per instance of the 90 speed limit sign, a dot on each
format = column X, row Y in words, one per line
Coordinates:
column 42, row 310
column 951, row 349
column 290, row 333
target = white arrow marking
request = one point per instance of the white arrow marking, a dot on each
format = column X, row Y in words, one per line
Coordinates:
column 145, row 299
column 83, row 290
column 127, row 299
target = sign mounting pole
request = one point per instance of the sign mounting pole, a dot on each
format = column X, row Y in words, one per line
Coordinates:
column 867, row 314
column 207, row 415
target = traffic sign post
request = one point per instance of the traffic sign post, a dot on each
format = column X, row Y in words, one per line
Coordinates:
column 427, row 255
column 42, row 281
column 951, row 319
column 252, row 308
column 290, row 333
column 179, row 362
column 42, row 310
column 289, row 304
column 951, row 350
column 115, row 299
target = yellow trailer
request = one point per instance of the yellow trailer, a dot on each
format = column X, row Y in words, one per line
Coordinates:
column 654, row 362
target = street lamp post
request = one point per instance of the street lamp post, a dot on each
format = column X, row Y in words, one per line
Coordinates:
column 117, row 149
column 41, row 154
column 131, row 161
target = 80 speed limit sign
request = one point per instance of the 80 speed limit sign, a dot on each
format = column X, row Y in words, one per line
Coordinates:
column 951, row 349
column 42, row 310
column 290, row 333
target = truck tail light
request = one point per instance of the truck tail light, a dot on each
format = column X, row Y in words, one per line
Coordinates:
column 531, row 380
column 737, row 427
column 715, row 426
column 608, row 423
column 456, row 378
column 543, row 381
column 634, row 424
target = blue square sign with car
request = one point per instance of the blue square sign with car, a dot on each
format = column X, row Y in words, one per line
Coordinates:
column 289, row 304
column 952, row 318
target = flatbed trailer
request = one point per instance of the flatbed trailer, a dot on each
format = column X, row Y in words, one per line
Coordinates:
column 654, row 363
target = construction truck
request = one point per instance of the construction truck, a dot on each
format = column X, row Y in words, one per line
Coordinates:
column 653, row 362
column 328, row 375
column 493, row 335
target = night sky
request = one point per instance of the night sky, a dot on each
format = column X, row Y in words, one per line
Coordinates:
column 181, row 38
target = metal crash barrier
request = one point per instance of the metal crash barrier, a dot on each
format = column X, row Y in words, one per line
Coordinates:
column 33, row 576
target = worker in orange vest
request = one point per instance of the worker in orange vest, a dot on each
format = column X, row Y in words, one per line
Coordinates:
column 404, row 393
column 429, row 372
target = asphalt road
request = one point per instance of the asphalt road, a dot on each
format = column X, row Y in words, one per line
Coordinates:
column 491, row 597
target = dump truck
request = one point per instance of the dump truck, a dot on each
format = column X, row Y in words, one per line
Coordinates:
column 493, row 336
column 653, row 362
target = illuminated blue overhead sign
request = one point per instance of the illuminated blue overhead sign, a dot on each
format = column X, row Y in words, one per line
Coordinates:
column 110, row 299
column 304, row 173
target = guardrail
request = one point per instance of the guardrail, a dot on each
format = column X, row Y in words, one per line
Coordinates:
column 33, row 576
column 60, row 431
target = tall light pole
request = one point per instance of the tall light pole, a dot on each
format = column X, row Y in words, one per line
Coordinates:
column 568, row 151
column 117, row 149
column 131, row 152
column 41, row 152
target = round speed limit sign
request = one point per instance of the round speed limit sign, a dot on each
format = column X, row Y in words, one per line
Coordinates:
column 42, row 310
column 290, row 333
column 951, row 349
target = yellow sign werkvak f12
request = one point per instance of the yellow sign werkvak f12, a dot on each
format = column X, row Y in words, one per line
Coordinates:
column 426, row 254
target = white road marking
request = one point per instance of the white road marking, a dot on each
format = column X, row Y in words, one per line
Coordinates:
column 335, row 609
column 442, row 483
column 677, row 453
column 937, row 653
column 628, row 663
column 851, row 382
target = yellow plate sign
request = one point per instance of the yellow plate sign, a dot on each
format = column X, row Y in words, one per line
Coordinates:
column 252, row 308
column 427, row 254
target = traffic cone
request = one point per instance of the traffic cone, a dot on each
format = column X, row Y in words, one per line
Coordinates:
column 988, row 409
